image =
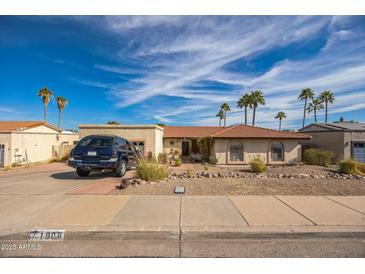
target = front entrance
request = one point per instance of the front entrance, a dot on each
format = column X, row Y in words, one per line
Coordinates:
column 2, row 155
column 185, row 148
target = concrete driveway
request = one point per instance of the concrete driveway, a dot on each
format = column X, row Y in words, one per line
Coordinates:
column 55, row 178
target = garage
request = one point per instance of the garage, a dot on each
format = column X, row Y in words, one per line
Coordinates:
column 358, row 151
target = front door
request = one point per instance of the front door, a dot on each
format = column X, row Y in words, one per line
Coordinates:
column 185, row 148
column 2, row 157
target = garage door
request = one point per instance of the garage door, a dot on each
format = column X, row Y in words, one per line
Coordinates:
column 359, row 152
column 2, row 157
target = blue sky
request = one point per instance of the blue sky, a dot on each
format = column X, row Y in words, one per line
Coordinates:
column 177, row 70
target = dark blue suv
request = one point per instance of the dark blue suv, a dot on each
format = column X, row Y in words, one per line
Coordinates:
column 100, row 152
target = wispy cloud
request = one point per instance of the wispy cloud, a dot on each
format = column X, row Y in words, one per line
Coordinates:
column 176, row 56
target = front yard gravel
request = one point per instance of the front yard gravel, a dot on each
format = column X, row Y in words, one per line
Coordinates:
column 247, row 183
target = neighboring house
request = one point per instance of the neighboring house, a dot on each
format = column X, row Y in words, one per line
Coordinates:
column 345, row 139
column 30, row 141
column 230, row 145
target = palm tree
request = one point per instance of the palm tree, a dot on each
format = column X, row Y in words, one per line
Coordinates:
column 256, row 99
column 244, row 102
column 306, row 94
column 280, row 115
column 224, row 108
column 220, row 115
column 46, row 95
column 61, row 103
column 327, row 97
column 315, row 105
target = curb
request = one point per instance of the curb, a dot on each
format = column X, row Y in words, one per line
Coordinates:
column 191, row 235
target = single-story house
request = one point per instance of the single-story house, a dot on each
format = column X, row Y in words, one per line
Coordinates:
column 30, row 141
column 236, row 144
column 345, row 139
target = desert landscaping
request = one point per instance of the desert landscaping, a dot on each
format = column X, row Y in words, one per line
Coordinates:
column 205, row 179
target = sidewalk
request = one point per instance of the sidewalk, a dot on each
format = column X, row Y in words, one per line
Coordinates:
column 181, row 216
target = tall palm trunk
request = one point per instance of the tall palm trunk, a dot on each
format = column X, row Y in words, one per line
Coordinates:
column 245, row 115
column 44, row 112
column 315, row 115
column 305, row 109
column 253, row 115
column 225, row 116
column 220, row 121
column 59, row 119
column 326, row 104
column 279, row 124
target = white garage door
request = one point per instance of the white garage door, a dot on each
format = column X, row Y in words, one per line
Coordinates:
column 359, row 152
column 2, row 157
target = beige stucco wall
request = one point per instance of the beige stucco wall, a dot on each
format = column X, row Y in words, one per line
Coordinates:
column 5, row 139
column 151, row 135
column 172, row 144
column 257, row 147
column 33, row 145
column 40, row 129
column 333, row 141
column 68, row 138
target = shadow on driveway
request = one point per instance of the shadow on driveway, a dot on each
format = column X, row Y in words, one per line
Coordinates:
column 71, row 175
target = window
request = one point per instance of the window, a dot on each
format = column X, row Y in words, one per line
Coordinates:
column 236, row 152
column 277, row 151
column 96, row 141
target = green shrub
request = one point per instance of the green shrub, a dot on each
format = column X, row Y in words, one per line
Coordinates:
column 162, row 158
column 177, row 161
column 150, row 170
column 361, row 167
column 257, row 165
column 317, row 157
column 213, row 160
column 189, row 172
column 352, row 167
column 63, row 158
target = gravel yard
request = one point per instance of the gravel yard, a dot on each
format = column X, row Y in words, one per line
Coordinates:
column 279, row 180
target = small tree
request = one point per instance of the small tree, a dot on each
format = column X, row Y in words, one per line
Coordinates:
column 256, row 98
column 315, row 106
column 46, row 96
column 220, row 115
column 306, row 94
column 280, row 115
column 61, row 103
column 328, row 98
column 224, row 108
column 244, row 102
column 113, row 123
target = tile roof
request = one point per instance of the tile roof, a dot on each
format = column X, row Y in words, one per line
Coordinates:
column 338, row 126
column 8, row 126
column 237, row 131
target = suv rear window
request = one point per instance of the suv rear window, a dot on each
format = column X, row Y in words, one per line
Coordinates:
column 96, row 141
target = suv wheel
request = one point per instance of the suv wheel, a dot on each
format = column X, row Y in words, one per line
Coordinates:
column 121, row 169
column 82, row 172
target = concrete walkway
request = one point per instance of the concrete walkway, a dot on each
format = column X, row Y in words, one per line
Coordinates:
column 181, row 216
